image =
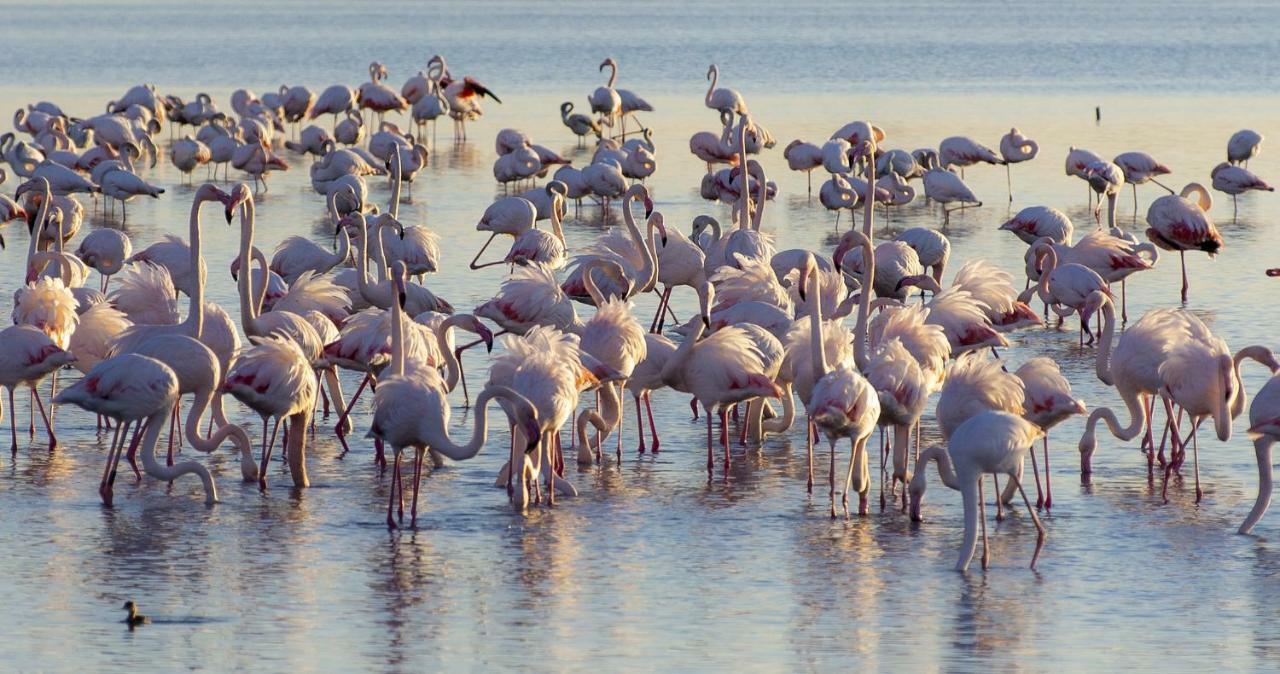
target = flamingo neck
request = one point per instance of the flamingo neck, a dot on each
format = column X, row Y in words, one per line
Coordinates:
column 817, row 352
column 1102, row 365
column 1257, row 353
column 154, row 424
column 396, row 180
column 585, row 452
column 248, row 313
column 445, row 445
column 1262, row 448
column 191, row 429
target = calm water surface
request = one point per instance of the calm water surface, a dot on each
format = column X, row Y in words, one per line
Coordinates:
column 652, row 568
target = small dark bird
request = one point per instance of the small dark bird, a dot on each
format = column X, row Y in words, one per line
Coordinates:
column 135, row 618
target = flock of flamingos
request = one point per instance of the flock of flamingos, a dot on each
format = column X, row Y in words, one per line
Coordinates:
column 771, row 325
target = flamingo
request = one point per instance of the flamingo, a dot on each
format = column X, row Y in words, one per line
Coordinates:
column 27, row 356
column 605, row 100
column 613, row 337
column 1178, row 223
column 725, row 368
column 463, row 97
column 378, row 97
column 1236, row 180
column 993, row 289
column 1036, row 222
column 1016, row 148
column 274, row 378
column 963, row 151
column 188, row 153
column 712, row 148
column 1264, row 428
column 631, row 104
column 946, row 187
column 723, row 100
column 1077, row 160
column 802, row 156
column 135, row 389
column 1071, row 285
column 580, row 124
column 106, row 251
column 1139, row 168
column 1244, row 145
column 990, row 442
column 412, row 410
column 932, row 248
column 1134, row 369
column 257, row 160
column 1047, row 402
column 336, row 100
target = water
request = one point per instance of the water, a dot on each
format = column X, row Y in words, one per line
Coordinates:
column 652, row 567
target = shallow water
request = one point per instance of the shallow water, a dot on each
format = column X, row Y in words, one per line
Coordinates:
column 652, row 567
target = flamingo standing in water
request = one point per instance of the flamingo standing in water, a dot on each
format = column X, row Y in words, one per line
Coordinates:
column 105, row 250
column 945, row 187
column 723, row 100
column 605, row 100
column 411, row 409
column 1139, row 168
column 1236, row 180
column 1036, row 222
column 27, row 356
column 1244, row 145
column 1047, row 402
column 1016, row 148
column 1178, row 223
column 134, row 389
column 1077, row 160
column 463, row 97
column 989, row 442
column 275, row 379
column 1264, row 428
column 802, row 156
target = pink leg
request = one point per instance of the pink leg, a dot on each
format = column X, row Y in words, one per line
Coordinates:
column 417, row 483
column 653, row 430
column 640, row 423
column 711, row 462
column 48, row 425
column 724, row 438
column 391, row 497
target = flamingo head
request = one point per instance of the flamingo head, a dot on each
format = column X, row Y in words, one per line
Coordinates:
column 240, row 194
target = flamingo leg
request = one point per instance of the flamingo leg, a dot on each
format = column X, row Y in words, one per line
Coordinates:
column 13, row 423
column 982, row 522
column 995, row 481
column 48, row 426
column 1041, row 534
column 652, row 428
column 1048, row 485
column 1036, row 473
column 266, row 451
column 1182, row 254
column 1195, row 449
column 639, row 423
column 831, row 479
column 808, row 441
column 711, row 463
column 391, row 497
column 724, row 438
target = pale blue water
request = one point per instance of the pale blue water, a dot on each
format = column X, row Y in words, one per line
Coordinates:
column 652, row 568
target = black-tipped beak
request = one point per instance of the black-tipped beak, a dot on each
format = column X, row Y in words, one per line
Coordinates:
column 706, row 322
column 2, row 246
column 403, row 297
column 227, row 213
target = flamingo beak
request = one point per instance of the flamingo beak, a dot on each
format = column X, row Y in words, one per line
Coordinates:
column 648, row 206
column 485, row 334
